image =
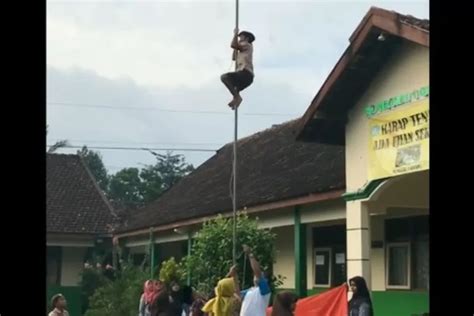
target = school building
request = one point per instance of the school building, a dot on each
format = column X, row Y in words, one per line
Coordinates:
column 78, row 226
column 345, row 188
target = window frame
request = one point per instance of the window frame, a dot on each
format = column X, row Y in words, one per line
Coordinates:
column 387, row 266
column 329, row 250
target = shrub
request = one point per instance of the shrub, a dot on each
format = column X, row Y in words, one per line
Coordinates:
column 211, row 253
column 121, row 296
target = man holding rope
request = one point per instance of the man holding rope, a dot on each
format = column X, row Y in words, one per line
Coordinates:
column 255, row 299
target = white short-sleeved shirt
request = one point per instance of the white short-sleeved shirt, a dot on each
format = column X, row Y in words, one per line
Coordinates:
column 256, row 299
column 245, row 56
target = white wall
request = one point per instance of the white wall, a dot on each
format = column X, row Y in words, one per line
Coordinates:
column 72, row 264
column 324, row 212
column 275, row 218
column 285, row 256
column 407, row 71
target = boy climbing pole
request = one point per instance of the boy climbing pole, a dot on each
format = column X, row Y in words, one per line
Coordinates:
column 243, row 76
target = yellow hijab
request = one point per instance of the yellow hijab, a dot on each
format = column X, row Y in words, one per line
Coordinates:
column 221, row 305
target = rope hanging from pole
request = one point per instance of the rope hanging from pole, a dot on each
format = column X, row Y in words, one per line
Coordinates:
column 234, row 165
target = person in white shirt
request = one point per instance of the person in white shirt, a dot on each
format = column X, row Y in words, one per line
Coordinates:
column 255, row 300
column 243, row 76
column 59, row 305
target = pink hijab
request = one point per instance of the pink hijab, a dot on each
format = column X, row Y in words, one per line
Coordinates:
column 149, row 291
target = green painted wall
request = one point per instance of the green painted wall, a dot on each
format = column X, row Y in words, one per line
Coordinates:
column 400, row 303
column 391, row 303
column 72, row 295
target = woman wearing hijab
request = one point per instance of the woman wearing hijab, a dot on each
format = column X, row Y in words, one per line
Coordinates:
column 147, row 298
column 176, row 300
column 161, row 301
column 226, row 292
column 360, row 303
column 284, row 304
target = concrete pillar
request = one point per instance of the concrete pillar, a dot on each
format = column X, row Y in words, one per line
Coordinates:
column 377, row 256
column 358, row 240
column 300, row 255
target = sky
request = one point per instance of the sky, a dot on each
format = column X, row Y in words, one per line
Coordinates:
column 146, row 73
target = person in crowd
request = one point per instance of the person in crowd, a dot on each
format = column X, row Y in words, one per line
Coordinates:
column 197, row 305
column 225, row 294
column 255, row 300
column 59, row 304
column 284, row 304
column 161, row 301
column 188, row 298
column 360, row 303
column 175, row 307
column 147, row 298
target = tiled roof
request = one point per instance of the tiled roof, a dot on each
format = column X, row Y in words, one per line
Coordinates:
column 74, row 201
column 272, row 166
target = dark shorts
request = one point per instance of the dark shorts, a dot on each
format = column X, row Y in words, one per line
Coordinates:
column 240, row 79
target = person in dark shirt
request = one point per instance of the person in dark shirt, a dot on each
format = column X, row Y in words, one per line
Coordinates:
column 360, row 303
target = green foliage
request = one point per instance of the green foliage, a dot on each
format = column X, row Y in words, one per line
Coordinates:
column 211, row 254
column 125, row 187
column 133, row 187
column 171, row 271
column 120, row 297
column 91, row 279
column 94, row 163
column 170, row 169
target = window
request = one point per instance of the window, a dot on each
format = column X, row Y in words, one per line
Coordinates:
column 339, row 266
column 322, row 267
column 407, row 257
column 330, row 244
column 398, row 266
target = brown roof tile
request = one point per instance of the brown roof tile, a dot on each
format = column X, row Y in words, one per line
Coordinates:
column 272, row 166
column 74, row 202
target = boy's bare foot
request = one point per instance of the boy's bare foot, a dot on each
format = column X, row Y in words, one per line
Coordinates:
column 235, row 102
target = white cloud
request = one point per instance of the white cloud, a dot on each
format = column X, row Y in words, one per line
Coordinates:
column 171, row 54
column 113, row 127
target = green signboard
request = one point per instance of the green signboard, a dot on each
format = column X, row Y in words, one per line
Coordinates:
column 389, row 104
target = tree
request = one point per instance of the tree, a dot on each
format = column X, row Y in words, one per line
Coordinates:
column 167, row 171
column 211, row 253
column 94, row 163
column 125, row 188
column 131, row 187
